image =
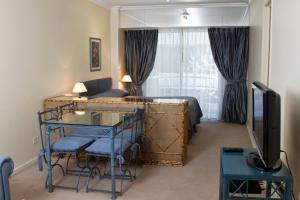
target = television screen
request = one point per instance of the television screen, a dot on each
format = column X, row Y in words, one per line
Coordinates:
column 258, row 123
column 266, row 124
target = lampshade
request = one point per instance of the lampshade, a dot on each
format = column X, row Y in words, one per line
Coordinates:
column 126, row 78
column 79, row 88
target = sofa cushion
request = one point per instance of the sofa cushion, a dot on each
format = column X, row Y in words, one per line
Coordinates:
column 97, row 86
column 6, row 169
column 112, row 93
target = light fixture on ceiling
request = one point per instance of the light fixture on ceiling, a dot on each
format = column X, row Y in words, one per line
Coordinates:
column 167, row 1
column 185, row 15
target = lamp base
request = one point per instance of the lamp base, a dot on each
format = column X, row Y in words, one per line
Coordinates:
column 80, row 98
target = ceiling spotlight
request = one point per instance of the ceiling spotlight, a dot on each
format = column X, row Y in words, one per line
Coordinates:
column 167, row 0
column 185, row 14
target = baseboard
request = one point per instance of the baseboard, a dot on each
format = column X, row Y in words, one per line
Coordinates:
column 24, row 166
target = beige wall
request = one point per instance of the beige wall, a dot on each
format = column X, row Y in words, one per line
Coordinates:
column 44, row 50
column 285, row 77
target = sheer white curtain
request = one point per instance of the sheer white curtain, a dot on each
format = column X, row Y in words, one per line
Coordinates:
column 165, row 78
column 184, row 66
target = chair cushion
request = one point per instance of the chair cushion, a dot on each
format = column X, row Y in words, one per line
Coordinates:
column 127, row 133
column 102, row 146
column 87, row 133
column 70, row 144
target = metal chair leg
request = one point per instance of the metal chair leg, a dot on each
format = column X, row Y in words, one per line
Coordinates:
column 98, row 170
column 68, row 160
column 135, row 153
column 93, row 171
column 62, row 170
column 122, row 179
column 78, row 178
column 46, row 183
column 88, row 181
column 61, row 167
column 105, row 168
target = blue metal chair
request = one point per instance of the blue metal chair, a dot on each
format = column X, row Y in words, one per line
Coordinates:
column 134, row 134
column 127, row 137
column 77, row 132
column 6, row 169
column 62, row 146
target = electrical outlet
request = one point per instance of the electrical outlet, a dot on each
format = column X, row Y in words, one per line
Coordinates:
column 35, row 140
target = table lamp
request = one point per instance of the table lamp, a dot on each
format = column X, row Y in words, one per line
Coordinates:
column 79, row 88
column 126, row 79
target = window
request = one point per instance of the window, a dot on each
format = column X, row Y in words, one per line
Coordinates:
column 184, row 66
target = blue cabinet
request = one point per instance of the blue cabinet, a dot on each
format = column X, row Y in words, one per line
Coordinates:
column 240, row 181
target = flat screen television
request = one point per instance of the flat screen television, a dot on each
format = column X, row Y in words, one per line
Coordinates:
column 266, row 128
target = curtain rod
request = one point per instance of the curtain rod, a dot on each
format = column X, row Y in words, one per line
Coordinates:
column 151, row 28
column 186, row 5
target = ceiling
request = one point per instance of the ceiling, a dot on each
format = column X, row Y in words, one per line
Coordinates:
column 161, row 2
column 173, row 17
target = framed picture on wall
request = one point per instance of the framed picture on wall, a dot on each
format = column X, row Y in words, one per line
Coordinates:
column 95, row 54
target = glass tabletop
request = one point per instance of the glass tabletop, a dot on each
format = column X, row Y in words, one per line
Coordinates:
column 88, row 118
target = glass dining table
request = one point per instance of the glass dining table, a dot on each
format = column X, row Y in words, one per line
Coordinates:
column 108, row 121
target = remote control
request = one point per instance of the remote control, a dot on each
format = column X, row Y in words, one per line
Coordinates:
column 233, row 149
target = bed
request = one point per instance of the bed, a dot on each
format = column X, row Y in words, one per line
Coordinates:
column 194, row 112
column 103, row 88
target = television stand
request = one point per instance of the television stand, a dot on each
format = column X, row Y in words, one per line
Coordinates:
column 239, row 181
column 254, row 161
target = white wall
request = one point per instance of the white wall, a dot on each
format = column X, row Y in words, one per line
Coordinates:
column 114, row 27
column 284, row 69
column 258, row 49
column 285, row 77
column 117, row 48
column 44, row 50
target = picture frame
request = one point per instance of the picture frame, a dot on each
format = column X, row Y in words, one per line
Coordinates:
column 95, row 54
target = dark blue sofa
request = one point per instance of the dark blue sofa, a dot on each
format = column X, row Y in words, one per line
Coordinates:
column 6, row 169
column 102, row 88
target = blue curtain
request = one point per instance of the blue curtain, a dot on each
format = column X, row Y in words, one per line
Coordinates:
column 140, row 52
column 230, row 48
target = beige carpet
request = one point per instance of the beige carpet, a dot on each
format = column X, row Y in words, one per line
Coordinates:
column 197, row 180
